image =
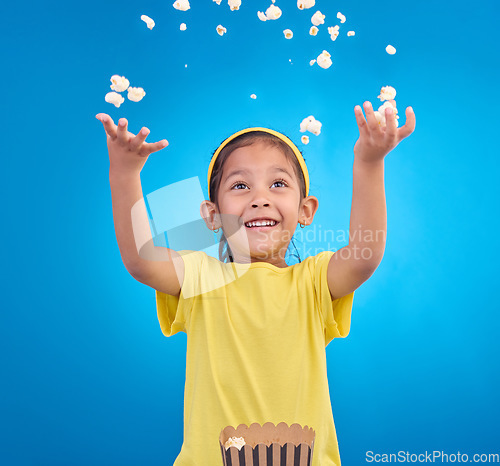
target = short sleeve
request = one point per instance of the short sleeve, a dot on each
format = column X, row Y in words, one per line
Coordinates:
column 173, row 312
column 336, row 313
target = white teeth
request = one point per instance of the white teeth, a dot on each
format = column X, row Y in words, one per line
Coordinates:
column 261, row 223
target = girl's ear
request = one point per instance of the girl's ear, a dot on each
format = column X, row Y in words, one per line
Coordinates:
column 309, row 207
column 208, row 212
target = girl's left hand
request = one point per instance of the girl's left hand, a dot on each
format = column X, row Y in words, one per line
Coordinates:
column 375, row 141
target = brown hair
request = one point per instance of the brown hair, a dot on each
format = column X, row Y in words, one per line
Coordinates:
column 248, row 139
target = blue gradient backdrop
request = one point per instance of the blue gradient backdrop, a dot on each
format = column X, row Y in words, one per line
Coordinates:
column 87, row 378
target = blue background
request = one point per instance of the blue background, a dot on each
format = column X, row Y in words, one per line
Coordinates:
column 87, row 376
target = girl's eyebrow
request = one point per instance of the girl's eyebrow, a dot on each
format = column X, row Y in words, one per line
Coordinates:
column 243, row 171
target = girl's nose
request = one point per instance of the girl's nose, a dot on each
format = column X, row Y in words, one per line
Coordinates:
column 257, row 204
column 260, row 196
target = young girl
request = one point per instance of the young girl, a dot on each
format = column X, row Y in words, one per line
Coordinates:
column 257, row 328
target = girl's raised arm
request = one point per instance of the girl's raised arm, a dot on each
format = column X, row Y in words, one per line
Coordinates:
column 160, row 268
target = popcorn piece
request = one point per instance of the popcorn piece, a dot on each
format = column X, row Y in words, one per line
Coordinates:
column 334, row 32
column 221, row 30
column 324, row 60
column 388, row 104
column 183, row 27
column 305, row 139
column 318, row 18
column 114, row 98
column 218, row 1
column 341, row 17
column 380, row 113
column 135, row 93
column 262, row 16
column 313, row 31
column 182, row 5
column 120, row 83
column 253, row 96
column 305, row 4
column 350, row 33
column 273, row 12
column 237, row 442
column 312, row 62
column 310, row 124
column 390, row 50
column 288, row 33
column 387, row 93
column 380, row 119
column 150, row 23
column 234, row 4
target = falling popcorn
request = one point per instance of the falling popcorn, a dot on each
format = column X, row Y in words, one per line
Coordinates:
column 390, row 50
column 218, row 1
column 234, row 4
column 310, row 124
column 380, row 113
column 382, row 121
column 262, row 16
column 324, row 60
column 313, row 31
column 387, row 93
column 150, row 23
column 114, row 98
column 253, row 96
column 273, row 12
column 341, row 17
column 120, row 83
column 305, row 139
column 305, row 4
column 312, row 62
column 221, row 30
column 183, row 27
column 288, row 33
column 182, row 5
column 135, row 93
column 334, row 32
column 350, row 33
column 318, row 18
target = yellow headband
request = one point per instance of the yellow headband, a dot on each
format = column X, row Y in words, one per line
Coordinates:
column 266, row 130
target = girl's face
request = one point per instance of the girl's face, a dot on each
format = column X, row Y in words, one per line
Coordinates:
column 258, row 182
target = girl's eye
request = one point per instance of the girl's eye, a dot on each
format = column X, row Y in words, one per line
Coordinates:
column 238, row 184
column 281, row 181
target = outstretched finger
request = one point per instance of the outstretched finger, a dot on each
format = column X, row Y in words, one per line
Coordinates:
column 122, row 131
column 370, row 117
column 360, row 119
column 149, row 148
column 390, row 122
column 409, row 126
column 108, row 123
column 136, row 142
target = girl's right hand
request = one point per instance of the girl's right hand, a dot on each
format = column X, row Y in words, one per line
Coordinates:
column 127, row 152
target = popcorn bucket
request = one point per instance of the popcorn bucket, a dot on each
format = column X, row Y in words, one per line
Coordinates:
column 267, row 445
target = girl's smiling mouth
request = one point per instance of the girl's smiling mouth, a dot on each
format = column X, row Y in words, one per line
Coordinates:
column 261, row 224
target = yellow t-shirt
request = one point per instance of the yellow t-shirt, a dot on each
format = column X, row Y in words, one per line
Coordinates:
column 256, row 338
